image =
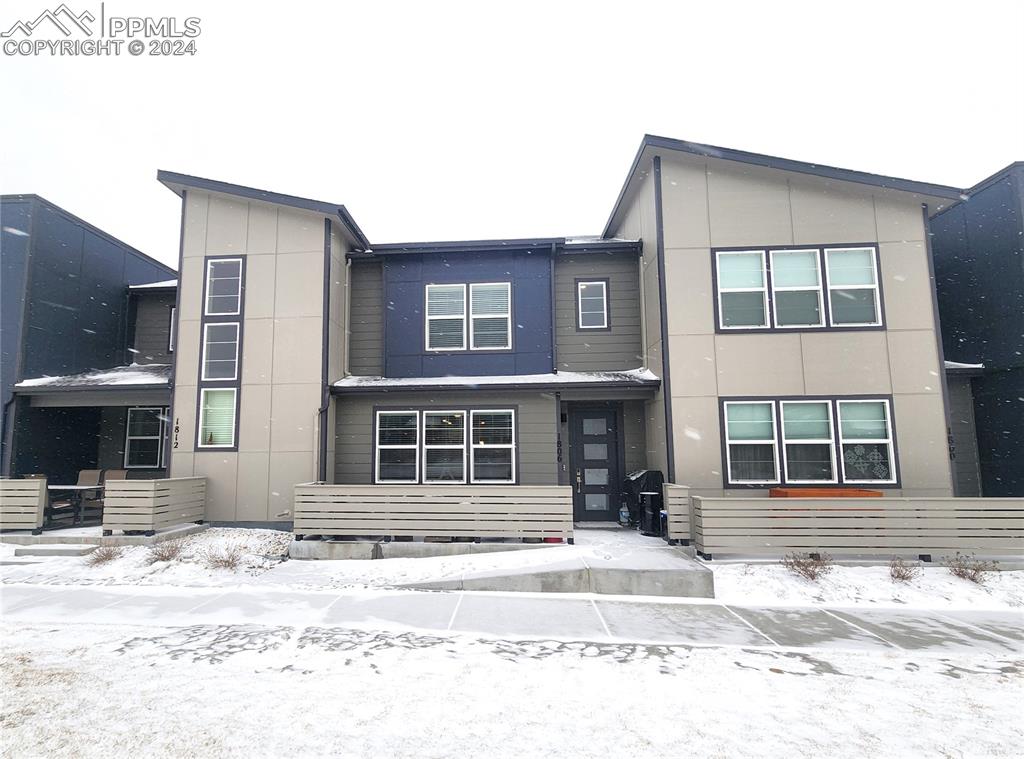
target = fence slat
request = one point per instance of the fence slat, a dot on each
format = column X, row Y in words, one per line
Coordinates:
column 22, row 504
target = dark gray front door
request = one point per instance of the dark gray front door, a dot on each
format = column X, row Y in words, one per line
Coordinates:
column 595, row 477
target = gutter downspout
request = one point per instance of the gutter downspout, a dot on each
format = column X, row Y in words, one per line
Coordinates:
column 554, row 335
column 325, row 345
column 666, row 379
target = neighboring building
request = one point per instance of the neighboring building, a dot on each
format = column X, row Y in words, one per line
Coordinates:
column 979, row 267
column 743, row 322
column 72, row 325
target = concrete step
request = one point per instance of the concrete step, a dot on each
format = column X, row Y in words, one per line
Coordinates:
column 55, row 549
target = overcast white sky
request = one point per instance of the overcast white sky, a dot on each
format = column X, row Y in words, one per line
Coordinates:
column 435, row 120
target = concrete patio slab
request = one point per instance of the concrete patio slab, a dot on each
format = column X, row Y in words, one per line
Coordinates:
column 94, row 536
column 531, row 617
column 927, row 631
column 809, row 628
column 55, row 549
column 677, row 624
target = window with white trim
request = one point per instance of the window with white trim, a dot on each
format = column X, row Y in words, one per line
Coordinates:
column 493, row 447
column 742, row 289
column 217, row 417
column 592, row 304
column 397, row 446
column 807, row 442
column 853, row 287
column 223, row 287
column 145, row 430
column 446, row 317
column 750, row 442
column 796, row 288
column 220, row 351
column 490, row 310
column 444, row 446
column 865, row 441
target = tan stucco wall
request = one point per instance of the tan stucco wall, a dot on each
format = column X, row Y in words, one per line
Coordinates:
column 281, row 351
column 712, row 203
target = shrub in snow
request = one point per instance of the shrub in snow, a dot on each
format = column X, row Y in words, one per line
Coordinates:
column 170, row 550
column 103, row 555
column 900, row 571
column 810, row 566
column 224, row 557
column 969, row 568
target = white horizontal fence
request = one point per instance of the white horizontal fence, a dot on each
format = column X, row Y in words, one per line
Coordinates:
column 150, row 505
column 677, row 507
column 454, row 511
column 22, row 503
column 869, row 526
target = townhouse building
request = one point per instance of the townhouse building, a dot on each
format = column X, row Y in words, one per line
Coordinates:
column 743, row 322
column 85, row 340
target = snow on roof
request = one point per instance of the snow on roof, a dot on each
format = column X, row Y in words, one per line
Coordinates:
column 958, row 365
column 632, row 377
column 155, row 285
column 136, row 374
column 596, row 239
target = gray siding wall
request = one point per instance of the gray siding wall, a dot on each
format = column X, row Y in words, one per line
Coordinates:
column 535, row 421
column 621, row 347
column 634, row 435
column 366, row 320
column 966, row 469
column 152, row 328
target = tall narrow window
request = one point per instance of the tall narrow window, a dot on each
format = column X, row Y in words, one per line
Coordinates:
column 223, row 287
column 742, row 289
column 446, row 317
column 170, row 332
column 144, row 438
column 852, row 287
column 220, row 351
column 750, row 442
column 490, row 316
column 492, row 446
column 865, row 439
column 808, row 453
column 217, row 418
column 796, row 288
column 592, row 304
column 397, row 446
column 444, row 446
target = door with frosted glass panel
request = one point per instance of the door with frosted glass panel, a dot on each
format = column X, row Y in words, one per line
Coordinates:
column 595, row 478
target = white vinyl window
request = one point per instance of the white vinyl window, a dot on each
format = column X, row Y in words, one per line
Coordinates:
column 852, row 287
column 444, row 446
column 446, row 317
column 220, row 351
column 397, row 446
column 742, row 289
column 170, row 333
column 796, row 288
column 144, row 438
column 490, row 316
column 807, row 442
column 492, row 446
column 865, row 441
column 217, row 417
column 751, row 457
column 592, row 304
column 223, row 287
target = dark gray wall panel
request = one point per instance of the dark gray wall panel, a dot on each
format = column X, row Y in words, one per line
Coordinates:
column 366, row 324
column 966, row 471
column 152, row 327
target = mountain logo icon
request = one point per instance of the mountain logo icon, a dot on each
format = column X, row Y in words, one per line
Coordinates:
column 63, row 18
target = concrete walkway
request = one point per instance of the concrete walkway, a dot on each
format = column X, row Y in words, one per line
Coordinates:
column 679, row 622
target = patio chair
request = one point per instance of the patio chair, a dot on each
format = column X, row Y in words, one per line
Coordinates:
column 65, row 507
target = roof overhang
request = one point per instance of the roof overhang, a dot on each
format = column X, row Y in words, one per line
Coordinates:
column 179, row 183
column 633, row 379
column 558, row 245
column 938, row 196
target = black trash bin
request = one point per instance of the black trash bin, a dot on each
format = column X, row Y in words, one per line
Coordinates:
column 642, row 492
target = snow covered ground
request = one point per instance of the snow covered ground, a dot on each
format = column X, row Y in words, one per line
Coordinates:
column 248, row 690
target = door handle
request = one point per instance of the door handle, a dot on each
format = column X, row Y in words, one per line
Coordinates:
column 579, row 482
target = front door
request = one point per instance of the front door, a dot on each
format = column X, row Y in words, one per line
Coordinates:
column 594, row 461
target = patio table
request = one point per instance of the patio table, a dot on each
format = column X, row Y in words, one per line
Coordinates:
column 76, row 492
